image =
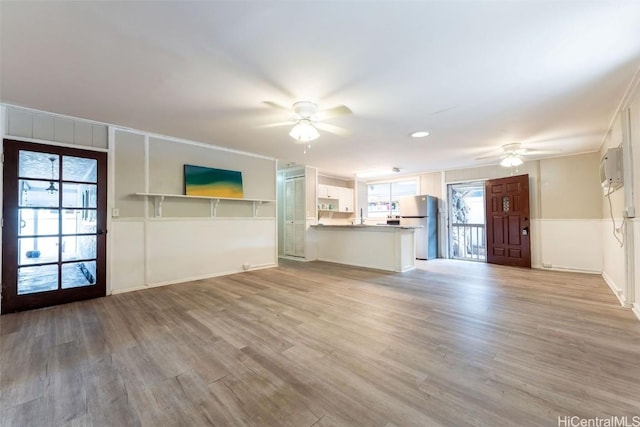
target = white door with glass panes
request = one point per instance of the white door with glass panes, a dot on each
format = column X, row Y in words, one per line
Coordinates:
column 294, row 217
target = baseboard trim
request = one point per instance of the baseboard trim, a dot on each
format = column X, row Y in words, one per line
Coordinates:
column 636, row 310
column 566, row 269
column 618, row 293
column 294, row 258
column 190, row 279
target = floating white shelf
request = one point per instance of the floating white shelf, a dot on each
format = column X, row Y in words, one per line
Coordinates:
column 158, row 199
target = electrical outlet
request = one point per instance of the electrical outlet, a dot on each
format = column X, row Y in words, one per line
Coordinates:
column 115, row 213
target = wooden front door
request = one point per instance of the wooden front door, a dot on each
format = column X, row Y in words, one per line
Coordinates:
column 54, row 225
column 508, row 232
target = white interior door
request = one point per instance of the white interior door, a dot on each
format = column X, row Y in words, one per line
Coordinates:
column 294, row 217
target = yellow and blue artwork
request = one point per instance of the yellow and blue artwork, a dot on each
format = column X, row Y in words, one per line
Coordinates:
column 210, row 182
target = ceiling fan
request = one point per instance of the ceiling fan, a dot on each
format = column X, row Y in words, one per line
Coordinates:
column 308, row 118
column 513, row 154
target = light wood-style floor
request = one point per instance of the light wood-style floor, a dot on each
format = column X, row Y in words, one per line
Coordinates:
column 316, row 344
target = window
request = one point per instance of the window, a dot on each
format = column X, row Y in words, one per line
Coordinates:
column 384, row 197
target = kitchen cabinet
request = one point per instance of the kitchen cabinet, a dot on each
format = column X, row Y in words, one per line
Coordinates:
column 340, row 198
column 328, row 191
column 345, row 199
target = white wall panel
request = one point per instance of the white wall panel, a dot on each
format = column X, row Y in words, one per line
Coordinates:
column 181, row 250
column 127, row 255
column 613, row 268
column 571, row 244
column 536, row 243
column 43, row 126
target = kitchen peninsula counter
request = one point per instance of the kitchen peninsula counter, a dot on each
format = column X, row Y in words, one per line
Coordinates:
column 384, row 247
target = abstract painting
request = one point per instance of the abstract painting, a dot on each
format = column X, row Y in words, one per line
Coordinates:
column 210, row 182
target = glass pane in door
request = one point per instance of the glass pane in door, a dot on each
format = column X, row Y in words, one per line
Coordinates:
column 79, row 195
column 42, row 194
column 38, row 222
column 79, row 169
column 77, row 274
column 32, row 164
column 79, row 221
column 37, row 250
column 78, row 247
column 37, row 279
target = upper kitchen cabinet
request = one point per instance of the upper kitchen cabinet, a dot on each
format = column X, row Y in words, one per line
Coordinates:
column 345, row 199
column 335, row 195
column 328, row 192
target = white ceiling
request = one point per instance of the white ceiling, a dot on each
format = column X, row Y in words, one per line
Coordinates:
column 477, row 74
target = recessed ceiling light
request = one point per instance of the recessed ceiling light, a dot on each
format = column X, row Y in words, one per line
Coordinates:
column 419, row 134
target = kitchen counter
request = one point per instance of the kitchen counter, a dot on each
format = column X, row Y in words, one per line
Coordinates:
column 383, row 247
column 367, row 226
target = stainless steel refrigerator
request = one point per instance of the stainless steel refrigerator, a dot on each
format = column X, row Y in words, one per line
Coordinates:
column 423, row 211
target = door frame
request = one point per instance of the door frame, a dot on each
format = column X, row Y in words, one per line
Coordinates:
column 9, row 220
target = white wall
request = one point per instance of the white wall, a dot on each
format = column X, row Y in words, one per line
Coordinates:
column 570, row 214
column 570, row 244
column 194, row 238
column 187, row 242
column 621, row 263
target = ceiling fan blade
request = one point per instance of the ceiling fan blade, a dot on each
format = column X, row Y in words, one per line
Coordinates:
column 494, row 156
column 277, row 106
column 332, row 129
column 540, row 152
column 341, row 110
column 273, row 125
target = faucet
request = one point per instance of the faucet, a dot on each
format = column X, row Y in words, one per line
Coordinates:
column 361, row 217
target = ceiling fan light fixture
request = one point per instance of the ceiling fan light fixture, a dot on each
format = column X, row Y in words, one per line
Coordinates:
column 419, row 134
column 511, row 161
column 304, row 131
